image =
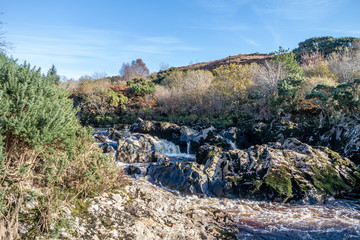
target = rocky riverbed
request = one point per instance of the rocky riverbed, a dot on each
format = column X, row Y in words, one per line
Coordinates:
column 197, row 184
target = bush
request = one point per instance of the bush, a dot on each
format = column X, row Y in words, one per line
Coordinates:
column 46, row 157
column 231, row 81
column 343, row 99
column 103, row 101
column 314, row 84
column 141, row 87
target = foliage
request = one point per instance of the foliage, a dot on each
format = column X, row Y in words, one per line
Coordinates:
column 46, row 157
column 141, row 87
column 288, row 86
column 315, row 65
column 232, row 80
column 52, row 73
column 312, row 82
column 345, row 97
column 324, row 45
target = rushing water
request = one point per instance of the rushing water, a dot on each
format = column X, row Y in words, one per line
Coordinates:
column 338, row 219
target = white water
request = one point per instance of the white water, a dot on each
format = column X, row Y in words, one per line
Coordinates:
column 171, row 150
column 166, row 147
column 232, row 144
column 188, row 145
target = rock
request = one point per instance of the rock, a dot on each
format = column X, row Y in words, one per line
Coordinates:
column 131, row 170
column 108, row 147
column 182, row 176
column 100, row 137
column 345, row 139
column 164, row 130
column 136, row 148
column 144, row 211
column 290, row 172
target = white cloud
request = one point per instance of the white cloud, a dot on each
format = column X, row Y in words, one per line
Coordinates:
column 251, row 42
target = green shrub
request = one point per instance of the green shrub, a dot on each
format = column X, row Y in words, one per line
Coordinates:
column 141, row 87
column 46, row 156
column 320, row 95
column 289, row 86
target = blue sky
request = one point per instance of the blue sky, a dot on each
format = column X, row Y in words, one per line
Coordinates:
column 82, row 37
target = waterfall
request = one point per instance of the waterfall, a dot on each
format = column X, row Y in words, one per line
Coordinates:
column 188, row 145
column 166, row 147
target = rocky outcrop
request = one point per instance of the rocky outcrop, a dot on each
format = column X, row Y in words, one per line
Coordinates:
column 164, row 130
column 186, row 137
column 345, row 139
column 292, row 171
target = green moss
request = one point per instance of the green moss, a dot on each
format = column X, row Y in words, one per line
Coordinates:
column 256, row 184
column 335, row 157
column 280, row 180
column 234, row 180
column 327, row 181
column 80, row 209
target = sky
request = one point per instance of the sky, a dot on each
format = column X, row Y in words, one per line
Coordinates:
column 97, row 36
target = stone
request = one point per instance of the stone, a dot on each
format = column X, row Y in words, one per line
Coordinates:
column 288, row 172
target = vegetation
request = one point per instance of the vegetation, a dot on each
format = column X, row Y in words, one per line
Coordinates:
column 47, row 158
column 325, row 45
column 287, row 85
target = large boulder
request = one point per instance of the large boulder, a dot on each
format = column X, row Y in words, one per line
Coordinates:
column 164, row 130
column 288, row 172
column 186, row 177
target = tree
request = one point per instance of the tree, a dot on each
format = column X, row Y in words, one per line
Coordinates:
column 289, row 86
column 52, row 73
column 265, row 79
column 325, row 45
column 135, row 69
column 99, row 75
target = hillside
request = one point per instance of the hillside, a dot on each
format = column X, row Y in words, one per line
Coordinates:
column 240, row 59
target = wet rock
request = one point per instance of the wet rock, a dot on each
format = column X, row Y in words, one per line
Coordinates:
column 164, row 130
column 108, row 148
column 182, row 176
column 131, row 170
column 290, row 172
column 136, row 148
column 100, row 137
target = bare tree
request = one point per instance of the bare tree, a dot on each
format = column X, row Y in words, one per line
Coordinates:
column 265, row 78
column 4, row 45
column 346, row 64
column 164, row 66
column 135, row 69
column 99, row 75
